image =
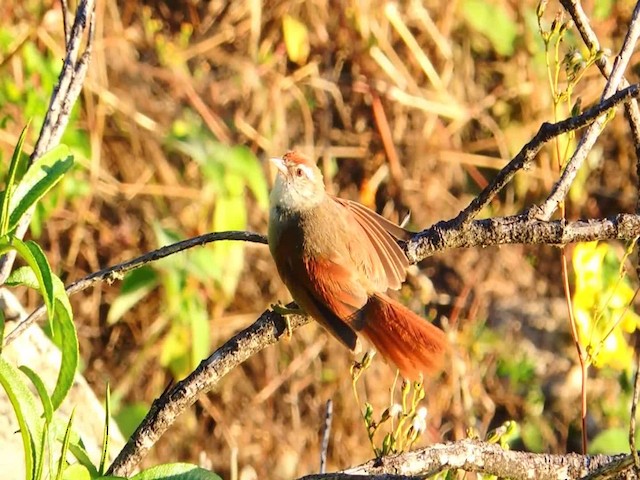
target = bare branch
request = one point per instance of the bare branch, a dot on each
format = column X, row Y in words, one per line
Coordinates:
column 561, row 187
column 64, row 96
column 546, row 133
column 266, row 331
column 116, row 272
column 519, row 229
column 574, row 8
column 482, row 457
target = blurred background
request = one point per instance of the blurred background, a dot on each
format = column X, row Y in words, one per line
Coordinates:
column 410, row 107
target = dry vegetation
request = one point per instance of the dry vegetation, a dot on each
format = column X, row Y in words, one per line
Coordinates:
column 172, row 83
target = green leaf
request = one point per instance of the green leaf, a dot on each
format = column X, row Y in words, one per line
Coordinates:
column 200, row 332
column 2, row 327
column 492, row 21
column 24, row 406
column 241, row 161
column 230, row 214
column 176, row 471
column 43, row 174
column 76, row 447
column 105, row 433
column 62, row 464
column 76, row 472
column 35, row 258
column 63, row 329
column 67, row 340
column 42, row 392
column 22, row 276
column 11, row 178
column 135, row 286
column 79, row 452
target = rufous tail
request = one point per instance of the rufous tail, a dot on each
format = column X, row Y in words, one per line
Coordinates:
column 413, row 344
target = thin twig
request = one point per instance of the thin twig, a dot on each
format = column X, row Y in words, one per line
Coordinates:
column 64, row 96
column 326, row 434
column 580, row 350
column 561, row 187
column 634, row 408
column 266, row 331
column 631, row 110
column 116, row 272
column 547, row 132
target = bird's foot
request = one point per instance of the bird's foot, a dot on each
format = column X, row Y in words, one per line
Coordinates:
column 284, row 312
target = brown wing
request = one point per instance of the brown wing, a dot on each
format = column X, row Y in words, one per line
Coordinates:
column 323, row 288
column 384, row 236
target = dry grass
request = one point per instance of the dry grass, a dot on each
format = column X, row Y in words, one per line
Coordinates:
column 418, row 110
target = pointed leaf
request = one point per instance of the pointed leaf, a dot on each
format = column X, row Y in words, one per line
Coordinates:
column 42, row 392
column 67, row 339
column 31, row 253
column 62, row 464
column 43, row 174
column 136, row 285
column 176, row 471
column 105, row 435
column 24, row 406
column 11, row 178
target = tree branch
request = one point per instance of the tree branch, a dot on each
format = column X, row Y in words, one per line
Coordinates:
column 269, row 327
column 546, row 133
column 482, row 457
column 580, row 19
column 561, row 187
column 116, row 272
column 266, row 331
column 64, row 96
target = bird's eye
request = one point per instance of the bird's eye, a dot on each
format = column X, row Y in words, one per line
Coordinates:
column 299, row 172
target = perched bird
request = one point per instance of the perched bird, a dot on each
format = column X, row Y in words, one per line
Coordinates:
column 338, row 258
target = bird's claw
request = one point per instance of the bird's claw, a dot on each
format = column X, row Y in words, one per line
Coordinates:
column 284, row 312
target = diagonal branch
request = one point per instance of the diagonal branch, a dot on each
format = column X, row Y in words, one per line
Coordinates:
column 561, row 187
column 631, row 110
column 546, row 133
column 64, row 96
column 269, row 327
column 266, row 331
column 116, row 272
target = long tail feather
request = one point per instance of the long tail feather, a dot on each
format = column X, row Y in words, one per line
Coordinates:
column 412, row 343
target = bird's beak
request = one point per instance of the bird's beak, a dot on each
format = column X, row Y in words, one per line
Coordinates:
column 279, row 164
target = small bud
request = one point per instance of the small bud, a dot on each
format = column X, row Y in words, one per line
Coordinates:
column 577, row 107
column 419, row 423
column 542, row 6
column 395, row 410
column 367, row 359
column 387, row 444
column 368, row 413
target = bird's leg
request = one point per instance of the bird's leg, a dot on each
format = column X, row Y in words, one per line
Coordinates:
column 284, row 312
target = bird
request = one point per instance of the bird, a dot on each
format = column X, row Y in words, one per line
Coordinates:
column 338, row 258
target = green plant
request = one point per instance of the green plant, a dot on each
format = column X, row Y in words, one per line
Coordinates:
column 45, row 436
column 23, row 99
column 400, row 424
